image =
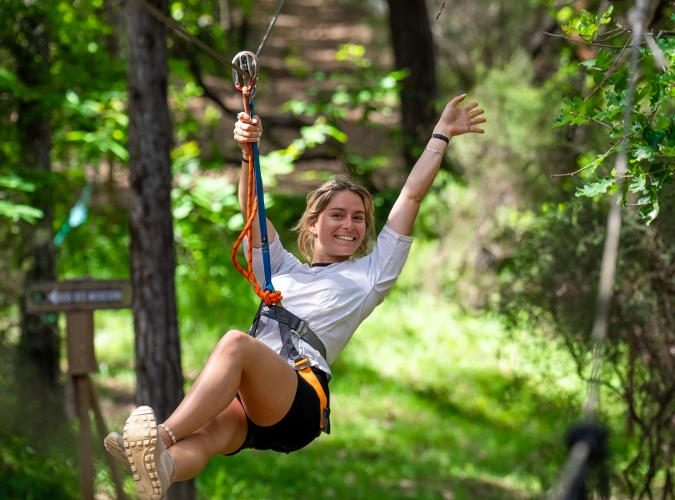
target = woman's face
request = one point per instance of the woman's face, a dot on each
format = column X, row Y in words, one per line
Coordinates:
column 340, row 228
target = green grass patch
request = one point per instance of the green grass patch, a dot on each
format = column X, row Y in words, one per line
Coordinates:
column 429, row 401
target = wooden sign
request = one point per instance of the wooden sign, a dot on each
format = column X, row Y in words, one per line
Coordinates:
column 79, row 299
column 78, row 295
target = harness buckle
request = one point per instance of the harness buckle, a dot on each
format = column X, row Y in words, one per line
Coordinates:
column 301, row 364
column 302, row 328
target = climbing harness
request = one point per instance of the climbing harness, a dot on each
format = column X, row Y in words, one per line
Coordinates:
column 289, row 322
column 291, row 328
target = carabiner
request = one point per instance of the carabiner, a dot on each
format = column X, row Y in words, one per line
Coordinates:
column 245, row 72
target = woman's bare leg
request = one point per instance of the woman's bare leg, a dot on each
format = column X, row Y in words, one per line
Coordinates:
column 209, row 420
column 221, row 435
column 239, row 363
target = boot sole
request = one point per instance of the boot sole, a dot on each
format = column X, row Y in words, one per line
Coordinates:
column 113, row 448
column 140, row 446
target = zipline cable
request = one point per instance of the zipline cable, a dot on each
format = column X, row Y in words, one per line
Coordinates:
column 178, row 29
column 570, row 483
column 273, row 21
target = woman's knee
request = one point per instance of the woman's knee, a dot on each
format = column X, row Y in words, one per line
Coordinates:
column 233, row 344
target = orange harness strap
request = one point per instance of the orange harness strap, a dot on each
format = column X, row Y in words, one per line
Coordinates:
column 306, row 372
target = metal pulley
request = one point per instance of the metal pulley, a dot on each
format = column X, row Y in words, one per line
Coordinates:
column 245, row 72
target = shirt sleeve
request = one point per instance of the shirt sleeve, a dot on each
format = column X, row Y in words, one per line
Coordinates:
column 387, row 259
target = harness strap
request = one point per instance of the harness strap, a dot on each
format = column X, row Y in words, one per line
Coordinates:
column 305, row 371
column 288, row 320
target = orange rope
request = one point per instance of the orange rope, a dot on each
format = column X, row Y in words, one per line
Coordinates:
column 268, row 296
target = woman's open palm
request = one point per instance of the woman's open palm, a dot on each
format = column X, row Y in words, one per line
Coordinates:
column 458, row 120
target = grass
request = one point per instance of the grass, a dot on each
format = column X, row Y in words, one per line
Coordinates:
column 425, row 405
column 428, row 402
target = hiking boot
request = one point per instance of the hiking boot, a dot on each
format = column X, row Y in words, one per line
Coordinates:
column 114, row 445
column 150, row 461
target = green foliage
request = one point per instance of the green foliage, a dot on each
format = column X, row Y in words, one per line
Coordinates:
column 585, row 24
column 281, row 161
column 428, row 402
column 211, row 294
column 361, row 90
column 11, row 185
column 29, row 474
column 548, row 283
column 361, row 94
column 31, row 468
column 651, row 137
column 96, row 128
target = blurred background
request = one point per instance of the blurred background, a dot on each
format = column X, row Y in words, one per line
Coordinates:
column 463, row 384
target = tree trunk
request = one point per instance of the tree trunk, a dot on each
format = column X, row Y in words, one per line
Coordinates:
column 413, row 46
column 158, row 364
column 39, row 342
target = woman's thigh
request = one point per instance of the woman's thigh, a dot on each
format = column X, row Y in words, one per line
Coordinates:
column 268, row 384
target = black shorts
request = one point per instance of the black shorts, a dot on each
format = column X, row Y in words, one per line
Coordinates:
column 299, row 427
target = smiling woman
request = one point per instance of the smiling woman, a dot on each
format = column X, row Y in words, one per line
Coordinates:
column 269, row 390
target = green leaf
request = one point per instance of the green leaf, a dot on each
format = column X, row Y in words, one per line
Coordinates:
column 643, row 153
column 18, row 212
column 595, row 188
column 638, row 184
column 586, row 25
column 572, row 111
column 606, row 17
column 649, row 208
column 16, row 183
column 590, row 167
column 604, row 59
column 588, row 64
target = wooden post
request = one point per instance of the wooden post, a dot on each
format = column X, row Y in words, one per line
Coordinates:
column 80, row 341
column 81, row 383
column 102, row 431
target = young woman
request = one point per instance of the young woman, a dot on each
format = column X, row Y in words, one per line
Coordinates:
column 270, row 391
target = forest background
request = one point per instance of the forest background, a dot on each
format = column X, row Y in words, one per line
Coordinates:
column 464, row 382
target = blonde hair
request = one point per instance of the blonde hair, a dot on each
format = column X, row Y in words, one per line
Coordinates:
column 318, row 200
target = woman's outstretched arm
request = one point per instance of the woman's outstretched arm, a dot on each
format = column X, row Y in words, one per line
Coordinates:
column 455, row 120
column 248, row 130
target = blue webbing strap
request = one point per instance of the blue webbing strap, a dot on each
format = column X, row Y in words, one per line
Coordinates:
column 262, row 216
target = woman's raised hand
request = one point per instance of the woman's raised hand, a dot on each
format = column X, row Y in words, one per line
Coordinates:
column 246, row 130
column 458, row 120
